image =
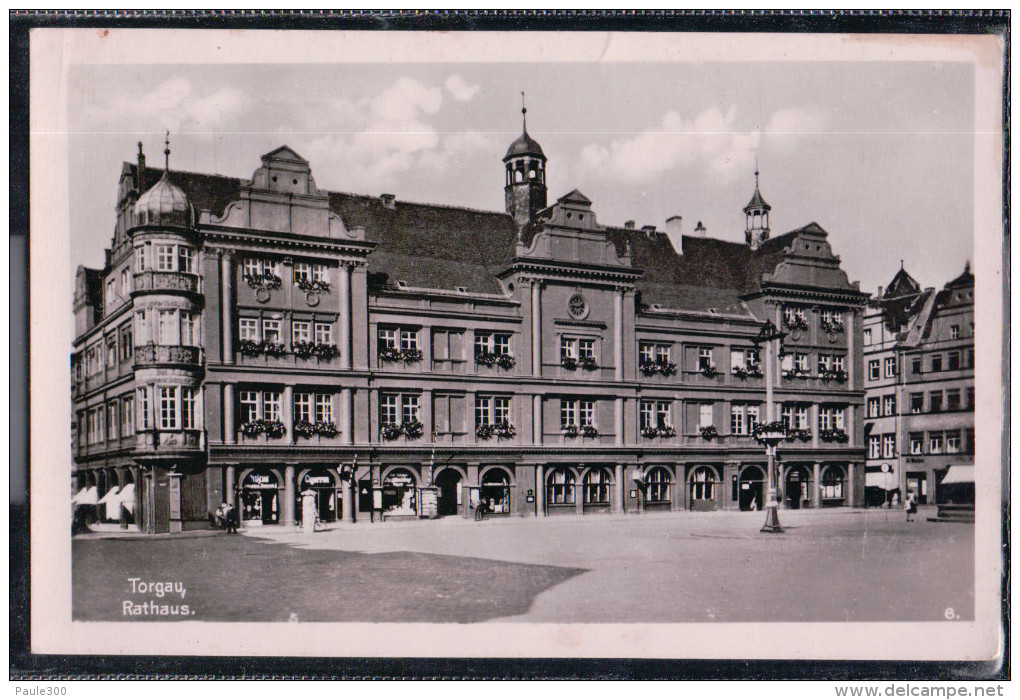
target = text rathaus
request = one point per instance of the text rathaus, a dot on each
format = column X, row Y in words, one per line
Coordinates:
column 248, row 341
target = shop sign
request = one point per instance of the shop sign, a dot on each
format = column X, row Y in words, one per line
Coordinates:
column 318, row 480
column 399, row 480
column 260, row 480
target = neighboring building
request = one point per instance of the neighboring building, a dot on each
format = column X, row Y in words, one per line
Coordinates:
column 255, row 339
column 919, row 363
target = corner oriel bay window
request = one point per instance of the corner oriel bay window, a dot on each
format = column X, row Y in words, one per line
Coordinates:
column 171, row 258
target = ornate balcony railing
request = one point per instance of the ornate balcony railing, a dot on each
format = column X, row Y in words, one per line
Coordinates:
column 153, row 281
column 155, row 355
column 170, row 440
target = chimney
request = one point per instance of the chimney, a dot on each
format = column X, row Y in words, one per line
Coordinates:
column 879, row 290
column 700, row 230
column 628, row 224
column 140, row 180
column 673, row 230
column 388, row 200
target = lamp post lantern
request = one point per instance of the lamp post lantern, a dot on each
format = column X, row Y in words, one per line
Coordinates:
column 772, row 431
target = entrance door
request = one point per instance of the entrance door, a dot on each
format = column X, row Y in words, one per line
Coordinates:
column 797, row 481
column 918, row 483
column 751, row 489
column 448, row 483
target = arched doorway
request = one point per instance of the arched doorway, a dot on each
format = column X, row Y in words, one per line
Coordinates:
column 751, row 489
column 448, row 482
column 597, row 486
column 398, row 494
column 832, row 487
column 323, row 484
column 702, row 488
column 260, row 497
column 495, row 491
column 560, row 490
column 798, row 488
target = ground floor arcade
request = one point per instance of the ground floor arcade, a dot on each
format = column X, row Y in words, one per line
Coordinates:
column 175, row 497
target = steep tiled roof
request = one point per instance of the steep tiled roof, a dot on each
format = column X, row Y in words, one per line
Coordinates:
column 964, row 280
column 444, row 247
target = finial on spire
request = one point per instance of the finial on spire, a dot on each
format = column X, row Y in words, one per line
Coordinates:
column 756, row 171
column 901, row 263
column 966, row 268
column 166, row 152
column 524, row 112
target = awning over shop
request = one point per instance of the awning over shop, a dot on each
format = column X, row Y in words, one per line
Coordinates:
column 959, row 474
column 86, row 497
column 110, row 497
column 882, row 480
column 127, row 498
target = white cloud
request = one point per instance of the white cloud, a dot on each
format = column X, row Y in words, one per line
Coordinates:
column 460, row 90
column 172, row 104
column 795, row 122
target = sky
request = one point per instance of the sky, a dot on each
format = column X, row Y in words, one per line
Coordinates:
column 879, row 154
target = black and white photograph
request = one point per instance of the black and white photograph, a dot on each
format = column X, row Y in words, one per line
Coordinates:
column 530, row 344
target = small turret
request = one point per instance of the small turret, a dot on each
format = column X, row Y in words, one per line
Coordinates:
column 757, row 212
column 525, row 186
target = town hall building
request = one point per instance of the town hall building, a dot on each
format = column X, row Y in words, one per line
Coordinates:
column 250, row 340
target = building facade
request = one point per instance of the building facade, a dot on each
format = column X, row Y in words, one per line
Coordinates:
column 251, row 340
column 919, row 360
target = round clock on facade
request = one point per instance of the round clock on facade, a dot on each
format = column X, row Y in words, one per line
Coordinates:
column 577, row 306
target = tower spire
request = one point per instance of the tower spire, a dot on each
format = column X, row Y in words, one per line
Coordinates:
column 166, row 153
column 524, row 114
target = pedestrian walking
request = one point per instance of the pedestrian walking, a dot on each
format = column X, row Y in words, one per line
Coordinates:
column 480, row 510
column 910, row 505
column 231, row 519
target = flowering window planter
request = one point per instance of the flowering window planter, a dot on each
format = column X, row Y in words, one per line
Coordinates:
column 589, row 364
column 568, row 362
column 708, row 432
column 502, row 431
column 275, row 349
column 397, row 355
column 801, row 434
column 273, row 429
column 663, row 367
column 491, row 359
column 796, row 323
column 413, row 429
column 569, row 430
column 307, row 429
column 264, row 281
column 323, row 351
column 834, row 435
column 306, row 285
column 834, row 375
column 391, row 431
column 709, row 372
column 589, row 431
column 832, row 326
column 796, row 374
column 251, row 348
column 749, row 372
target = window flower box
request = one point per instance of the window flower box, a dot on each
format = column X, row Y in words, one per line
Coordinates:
column 390, row 355
column 802, row 434
column 275, row 349
column 326, row 351
column 491, row 359
column 410, row 355
column 708, row 432
column 260, row 426
column 795, row 323
column 589, row 431
column 502, row 431
column 569, row 430
column 832, row 326
column 413, row 429
column 834, row 375
column 751, row 371
column 506, row 361
column 391, row 431
column 796, row 373
column 650, row 431
column 485, row 431
column 834, row 435
column 667, row 431
column 710, row 371
column 251, row 348
column 505, row 431
column 663, row 367
column 306, row 285
column 588, row 363
column 568, row 362
column 266, row 280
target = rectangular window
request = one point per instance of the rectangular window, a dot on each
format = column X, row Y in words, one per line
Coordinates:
column 189, row 328
column 501, row 409
column 111, row 351
column 953, row 442
column 388, row 339
column 705, row 359
column 111, row 294
column 936, row 363
column 140, row 258
column 970, row 357
column 954, row 359
column 271, row 331
column 586, row 412
column 185, row 259
column 249, row 406
column 888, row 446
column 874, row 407
column 302, row 272
column 324, row 333
column 953, row 400
column 795, row 415
column 916, row 443
column 646, row 415
column 935, row 443
column 483, row 410
column 738, row 419
column 165, row 258
column 169, row 334
column 143, row 408
column 252, row 267
column 112, row 424
column 141, row 328
column 272, row 403
column 935, row 402
column 831, row 418
column 874, row 447
column 408, row 339
column 409, row 407
column 568, row 347
column 501, row 343
column 320, row 273
column 970, row 397
column 889, row 405
column 867, row 336
column 301, row 332
column 389, row 411
column 954, row 332
column 824, row 362
column 248, row 329
column 705, row 415
column 127, row 416
column 188, row 415
column 324, row 408
column 646, row 353
column 915, row 365
column 302, row 407
column 168, row 408
column 890, row 367
column 916, row 403
column 800, row 362
column 568, row 412
column 586, row 348
column 126, row 343
column 873, row 369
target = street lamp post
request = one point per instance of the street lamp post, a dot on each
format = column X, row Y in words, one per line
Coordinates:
column 772, row 431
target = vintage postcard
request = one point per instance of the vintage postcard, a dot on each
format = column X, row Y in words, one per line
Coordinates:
column 532, row 344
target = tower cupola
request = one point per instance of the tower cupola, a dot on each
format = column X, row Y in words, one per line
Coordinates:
column 757, row 212
column 525, row 185
column 164, row 204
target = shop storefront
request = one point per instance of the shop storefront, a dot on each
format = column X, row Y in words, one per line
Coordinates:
column 702, row 486
column 833, row 486
column 658, row 489
column 751, row 488
column 399, row 497
column 328, row 501
column 560, row 491
column 495, row 491
column 797, row 487
column 260, row 498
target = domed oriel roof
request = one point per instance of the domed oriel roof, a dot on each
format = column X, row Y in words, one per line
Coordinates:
column 524, row 145
column 164, row 203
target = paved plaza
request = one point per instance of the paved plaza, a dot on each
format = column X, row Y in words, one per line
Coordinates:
column 831, row 565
